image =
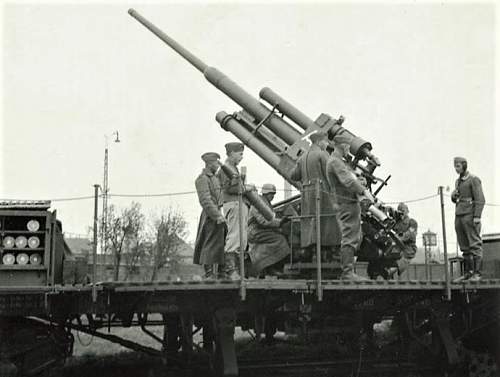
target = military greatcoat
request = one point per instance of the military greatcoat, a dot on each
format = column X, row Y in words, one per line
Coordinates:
column 267, row 243
column 310, row 168
column 209, row 244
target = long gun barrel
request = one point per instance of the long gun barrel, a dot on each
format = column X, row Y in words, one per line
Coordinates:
column 277, row 140
column 225, row 85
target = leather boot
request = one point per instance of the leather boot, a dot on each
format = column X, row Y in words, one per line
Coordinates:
column 347, row 262
column 478, row 264
column 209, row 272
column 390, row 273
column 230, row 262
column 468, row 269
column 221, row 271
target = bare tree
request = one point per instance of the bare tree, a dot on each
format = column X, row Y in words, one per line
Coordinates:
column 135, row 246
column 167, row 233
column 124, row 234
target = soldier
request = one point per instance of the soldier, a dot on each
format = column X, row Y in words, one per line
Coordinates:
column 348, row 189
column 268, row 245
column 209, row 245
column 469, row 198
column 310, row 168
column 406, row 228
column 231, row 187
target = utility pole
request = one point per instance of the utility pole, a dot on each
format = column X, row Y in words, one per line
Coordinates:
column 104, row 226
column 94, row 244
column 105, row 191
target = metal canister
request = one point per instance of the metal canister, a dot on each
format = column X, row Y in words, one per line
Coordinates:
column 9, row 242
column 33, row 242
column 21, row 242
column 22, row 258
column 33, row 225
column 35, row 259
column 8, row 259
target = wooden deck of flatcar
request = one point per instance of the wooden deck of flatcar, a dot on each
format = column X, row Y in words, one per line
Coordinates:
column 302, row 285
column 257, row 284
column 35, row 300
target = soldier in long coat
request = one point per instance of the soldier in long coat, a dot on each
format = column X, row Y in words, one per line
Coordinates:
column 469, row 199
column 310, row 168
column 267, row 244
column 209, row 244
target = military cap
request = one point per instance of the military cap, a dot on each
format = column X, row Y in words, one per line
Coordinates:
column 459, row 159
column 268, row 188
column 210, row 156
column 317, row 136
column 234, row 147
column 402, row 207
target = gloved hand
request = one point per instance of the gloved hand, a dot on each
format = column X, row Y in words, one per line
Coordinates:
column 454, row 196
column 284, row 220
column 368, row 195
column 250, row 187
column 221, row 220
column 477, row 220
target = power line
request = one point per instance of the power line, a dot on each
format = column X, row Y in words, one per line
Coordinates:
column 52, row 200
column 181, row 193
column 152, row 195
column 414, row 200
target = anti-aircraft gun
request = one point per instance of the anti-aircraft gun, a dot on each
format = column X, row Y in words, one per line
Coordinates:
column 278, row 133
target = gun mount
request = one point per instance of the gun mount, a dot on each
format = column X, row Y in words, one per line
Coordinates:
column 277, row 131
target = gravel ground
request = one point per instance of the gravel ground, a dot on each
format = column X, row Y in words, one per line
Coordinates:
column 100, row 358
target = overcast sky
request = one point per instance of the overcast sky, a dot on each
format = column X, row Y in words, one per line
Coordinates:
column 418, row 81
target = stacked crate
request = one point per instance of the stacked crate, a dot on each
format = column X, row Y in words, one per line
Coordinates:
column 25, row 244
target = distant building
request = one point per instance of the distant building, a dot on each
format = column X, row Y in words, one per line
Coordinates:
column 79, row 245
column 82, row 246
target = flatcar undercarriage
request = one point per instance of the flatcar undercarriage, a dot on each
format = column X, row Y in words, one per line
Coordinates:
column 199, row 322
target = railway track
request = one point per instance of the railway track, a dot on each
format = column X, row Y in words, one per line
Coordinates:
column 269, row 367
column 349, row 367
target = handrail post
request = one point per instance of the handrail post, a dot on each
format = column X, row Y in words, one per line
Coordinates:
column 242, row 245
column 319, row 290
column 445, row 248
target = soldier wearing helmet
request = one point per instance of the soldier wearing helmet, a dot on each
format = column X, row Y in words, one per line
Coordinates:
column 406, row 228
column 267, row 244
column 469, row 200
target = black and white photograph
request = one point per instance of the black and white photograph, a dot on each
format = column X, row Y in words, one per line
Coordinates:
column 250, row 188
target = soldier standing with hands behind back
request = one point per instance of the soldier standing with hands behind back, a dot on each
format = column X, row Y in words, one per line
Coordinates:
column 231, row 188
column 469, row 199
column 209, row 245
